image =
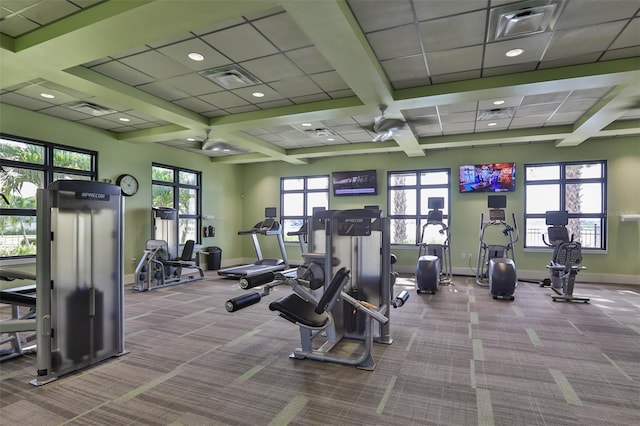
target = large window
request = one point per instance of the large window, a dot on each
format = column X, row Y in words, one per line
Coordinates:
column 408, row 192
column 298, row 197
column 27, row 165
column 179, row 189
column 577, row 187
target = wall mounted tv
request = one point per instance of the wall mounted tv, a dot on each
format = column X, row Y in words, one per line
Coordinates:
column 490, row 177
column 362, row 182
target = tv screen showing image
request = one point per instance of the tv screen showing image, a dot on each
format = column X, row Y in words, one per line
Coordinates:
column 489, row 177
column 362, row 182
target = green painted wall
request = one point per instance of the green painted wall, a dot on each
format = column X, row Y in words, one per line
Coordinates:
column 221, row 183
column 261, row 188
column 237, row 195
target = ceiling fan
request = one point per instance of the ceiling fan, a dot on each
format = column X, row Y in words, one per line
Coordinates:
column 385, row 127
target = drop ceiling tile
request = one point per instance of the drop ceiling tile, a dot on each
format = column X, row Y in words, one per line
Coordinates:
column 173, row 40
column 484, row 126
column 247, row 93
column 508, row 102
column 347, row 129
column 256, row 131
column 629, row 37
column 224, row 100
column 509, row 69
column 628, row 52
column 357, row 137
column 458, row 128
column 406, row 72
column 240, row 43
column 455, row 60
column 338, row 121
column 459, row 107
column 335, row 140
column 433, row 9
column 163, row 90
column 296, row 87
column 420, row 112
column 537, row 109
column 528, row 121
column 282, row 31
column 336, row 94
column 194, row 104
column 274, row 104
column 131, row 52
column 241, row 109
column 25, row 102
column 533, row 48
column 63, row 112
column 586, row 58
column 121, row 72
column 381, row 14
column 329, row 81
column 123, row 129
column 585, row 13
column 100, row 123
column 309, row 60
column 254, row 15
column 565, row 118
column 577, row 41
column 428, row 130
column 578, row 105
column 17, row 26
column 133, row 121
column 545, row 98
column 272, row 68
column 179, row 51
column 34, row 91
column 595, row 93
column 298, row 100
column 193, row 84
column 156, row 65
column 456, row 76
column 46, row 12
column 458, row 117
column 215, row 113
column 454, row 31
column 219, row 26
column 395, row 42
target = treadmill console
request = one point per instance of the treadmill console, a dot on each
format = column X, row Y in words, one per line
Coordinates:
column 267, row 224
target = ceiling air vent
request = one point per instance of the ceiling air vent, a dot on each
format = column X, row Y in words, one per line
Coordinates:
column 320, row 133
column 89, row 108
column 524, row 18
column 230, row 77
column 496, row 113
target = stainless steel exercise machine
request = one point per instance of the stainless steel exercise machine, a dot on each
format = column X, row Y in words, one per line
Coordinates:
column 79, row 277
column 496, row 262
column 268, row 227
column 566, row 259
column 434, row 259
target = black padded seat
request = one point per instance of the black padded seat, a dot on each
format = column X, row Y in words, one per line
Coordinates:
column 297, row 310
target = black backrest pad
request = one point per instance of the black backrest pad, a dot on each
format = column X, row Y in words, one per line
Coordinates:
column 336, row 285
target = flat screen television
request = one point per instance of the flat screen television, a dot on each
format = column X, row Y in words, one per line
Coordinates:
column 363, row 182
column 489, row 177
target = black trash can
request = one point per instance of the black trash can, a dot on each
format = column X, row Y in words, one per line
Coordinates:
column 214, row 257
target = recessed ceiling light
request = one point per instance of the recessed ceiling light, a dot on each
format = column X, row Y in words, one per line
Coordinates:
column 499, row 102
column 306, row 124
column 331, row 139
column 125, row 119
column 226, row 150
column 257, row 94
column 492, row 124
column 195, row 56
column 191, row 139
column 514, row 52
column 47, row 95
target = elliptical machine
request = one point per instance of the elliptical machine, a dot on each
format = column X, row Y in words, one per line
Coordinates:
column 434, row 260
column 496, row 263
column 566, row 258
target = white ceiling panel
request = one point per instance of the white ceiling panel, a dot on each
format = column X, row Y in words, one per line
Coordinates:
column 282, row 31
column 179, row 52
column 155, row 64
column 272, row 68
column 240, row 43
column 469, row 28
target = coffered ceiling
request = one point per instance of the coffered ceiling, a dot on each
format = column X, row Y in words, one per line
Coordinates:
column 251, row 81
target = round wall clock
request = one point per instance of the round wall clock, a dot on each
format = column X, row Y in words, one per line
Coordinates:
column 128, row 184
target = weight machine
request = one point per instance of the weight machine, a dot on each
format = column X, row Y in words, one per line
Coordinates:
column 496, row 262
column 159, row 265
column 343, row 290
column 434, row 260
column 566, row 258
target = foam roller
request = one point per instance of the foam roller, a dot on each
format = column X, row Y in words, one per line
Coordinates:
column 242, row 302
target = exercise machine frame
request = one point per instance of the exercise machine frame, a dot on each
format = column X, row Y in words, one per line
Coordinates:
column 433, row 268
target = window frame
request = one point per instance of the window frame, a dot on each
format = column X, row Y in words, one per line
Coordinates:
column 562, row 181
column 175, row 186
column 418, row 217
column 48, row 169
column 305, row 191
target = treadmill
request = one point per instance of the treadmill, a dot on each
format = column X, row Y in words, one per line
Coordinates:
column 268, row 227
